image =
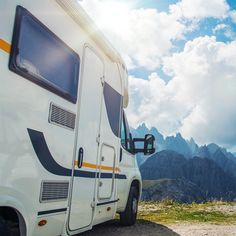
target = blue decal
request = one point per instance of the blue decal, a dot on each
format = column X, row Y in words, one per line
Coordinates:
column 46, row 159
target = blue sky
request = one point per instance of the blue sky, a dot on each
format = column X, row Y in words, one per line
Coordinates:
column 158, row 4
column 181, row 58
column 205, row 27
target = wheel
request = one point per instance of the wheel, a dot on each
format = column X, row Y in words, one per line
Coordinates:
column 8, row 228
column 128, row 217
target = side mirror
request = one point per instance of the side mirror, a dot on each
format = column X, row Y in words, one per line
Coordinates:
column 149, row 144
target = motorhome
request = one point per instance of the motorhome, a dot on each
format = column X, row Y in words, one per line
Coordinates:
column 67, row 158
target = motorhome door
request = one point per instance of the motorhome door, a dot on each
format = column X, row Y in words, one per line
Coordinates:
column 91, row 92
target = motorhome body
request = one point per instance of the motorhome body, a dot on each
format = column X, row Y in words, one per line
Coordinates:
column 66, row 160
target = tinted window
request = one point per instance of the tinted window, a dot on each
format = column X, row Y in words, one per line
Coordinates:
column 39, row 55
column 123, row 141
column 126, row 137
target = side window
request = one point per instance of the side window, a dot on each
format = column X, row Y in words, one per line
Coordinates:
column 126, row 137
column 40, row 56
column 123, row 141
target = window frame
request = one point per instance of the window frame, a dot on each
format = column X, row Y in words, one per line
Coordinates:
column 45, row 83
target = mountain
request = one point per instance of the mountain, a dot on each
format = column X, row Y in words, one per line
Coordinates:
column 181, row 190
column 188, row 148
column 164, row 164
column 212, row 148
column 220, row 156
column 223, row 160
column 184, row 171
column 203, row 177
column 178, row 143
column 141, row 130
column 203, row 152
column 192, row 145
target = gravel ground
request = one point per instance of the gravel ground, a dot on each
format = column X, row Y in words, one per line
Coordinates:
column 146, row 228
column 204, row 230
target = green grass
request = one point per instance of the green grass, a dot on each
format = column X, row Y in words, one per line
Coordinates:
column 169, row 212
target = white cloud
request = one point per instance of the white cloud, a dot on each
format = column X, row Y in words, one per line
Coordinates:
column 145, row 36
column 154, row 102
column 219, row 27
column 142, row 36
column 233, row 16
column 224, row 29
column 200, row 99
column 200, row 8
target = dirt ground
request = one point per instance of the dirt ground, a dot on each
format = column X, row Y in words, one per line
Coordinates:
column 146, row 228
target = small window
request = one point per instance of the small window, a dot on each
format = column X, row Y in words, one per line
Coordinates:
column 126, row 137
column 40, row 56
column 123, row 138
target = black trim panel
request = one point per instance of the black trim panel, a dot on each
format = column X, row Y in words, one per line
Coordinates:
column 47, row 161
column 106, row 203
column 40, row 213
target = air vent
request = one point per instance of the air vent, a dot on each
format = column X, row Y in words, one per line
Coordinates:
column 54, row 191
column 61, row 117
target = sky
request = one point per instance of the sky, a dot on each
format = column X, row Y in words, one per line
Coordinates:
column 181, row 59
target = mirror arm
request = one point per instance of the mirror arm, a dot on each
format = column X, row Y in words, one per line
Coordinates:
column 138, row 139
column 137, row 150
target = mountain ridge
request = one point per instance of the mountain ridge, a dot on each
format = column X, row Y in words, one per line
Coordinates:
column 197, row 174
column 188, row 148
column 185, row 171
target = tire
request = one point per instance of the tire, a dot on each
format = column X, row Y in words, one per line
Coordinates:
column 8, row 228
column 128, row 217
column 3, row 227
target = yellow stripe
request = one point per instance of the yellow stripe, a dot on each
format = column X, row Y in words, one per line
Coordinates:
column 5, row 46
column 93, row 166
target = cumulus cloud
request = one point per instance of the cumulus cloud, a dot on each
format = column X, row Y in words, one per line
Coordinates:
column 200, row 8
column 142, row 36
column 154, row 102
column 198, row 101
column 145, row 36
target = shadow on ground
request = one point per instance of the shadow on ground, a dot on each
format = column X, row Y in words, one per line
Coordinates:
column 141, row 228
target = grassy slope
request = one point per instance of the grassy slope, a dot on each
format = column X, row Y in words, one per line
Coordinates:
column 169, row 212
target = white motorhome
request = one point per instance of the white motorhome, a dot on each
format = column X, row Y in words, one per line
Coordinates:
column 66, row 154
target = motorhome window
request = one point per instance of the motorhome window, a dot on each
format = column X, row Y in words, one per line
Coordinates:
column 123, row 139
column 126, row 137
column 40, row 56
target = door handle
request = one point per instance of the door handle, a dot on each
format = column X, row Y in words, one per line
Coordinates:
column 120, row 154
column 80, row 157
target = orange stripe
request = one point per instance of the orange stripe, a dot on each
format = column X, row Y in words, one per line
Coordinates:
column 93, row 166
column 5, row 46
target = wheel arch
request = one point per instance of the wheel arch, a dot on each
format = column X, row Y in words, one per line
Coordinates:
column 137, row 184
column 20, row 207
column 9, row 213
